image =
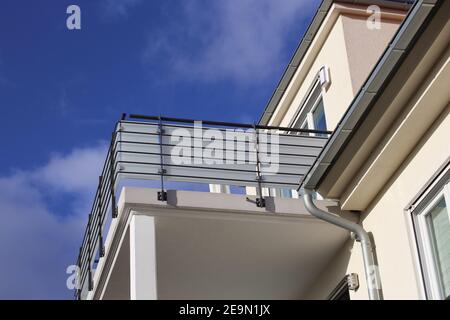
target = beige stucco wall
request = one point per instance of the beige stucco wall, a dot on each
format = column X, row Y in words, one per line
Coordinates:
column 415, row 146
column 330, row 277
column 350, row 50
column 338, row 96
column 389, row 223
column 387, row 220
column 364, row 46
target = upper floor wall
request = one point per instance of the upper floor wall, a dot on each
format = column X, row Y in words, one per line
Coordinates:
column 347, row 46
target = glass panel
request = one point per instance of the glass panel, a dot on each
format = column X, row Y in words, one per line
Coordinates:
column 440, row 233
column 286, row 193
column 319, row 117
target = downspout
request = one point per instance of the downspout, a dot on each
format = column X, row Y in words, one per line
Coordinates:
column 371, row 269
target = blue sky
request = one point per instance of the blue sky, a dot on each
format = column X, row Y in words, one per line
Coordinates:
column 61, row 91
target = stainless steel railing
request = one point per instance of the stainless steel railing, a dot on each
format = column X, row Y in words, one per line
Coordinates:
column 145, row 147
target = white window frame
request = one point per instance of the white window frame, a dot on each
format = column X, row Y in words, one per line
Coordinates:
column 310, row 114
column 425, row 250
column 305, row 111
column 308, row 106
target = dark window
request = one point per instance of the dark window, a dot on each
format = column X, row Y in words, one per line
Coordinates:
column 341, row 292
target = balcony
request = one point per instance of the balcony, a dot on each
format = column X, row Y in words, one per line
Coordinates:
column 151, row 160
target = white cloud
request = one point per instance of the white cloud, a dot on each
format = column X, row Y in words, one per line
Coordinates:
column 37, row 243
column 238, row 40
column 74, row 172
column 119, row 8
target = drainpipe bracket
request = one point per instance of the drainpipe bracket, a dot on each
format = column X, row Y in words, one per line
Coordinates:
column 355, row 237
column 162, row 196
column 260, row 202
column 353, row 281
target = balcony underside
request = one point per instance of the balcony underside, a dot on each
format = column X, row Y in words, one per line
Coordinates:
column 218, row 246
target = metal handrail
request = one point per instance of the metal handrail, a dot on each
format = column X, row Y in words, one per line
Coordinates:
column 227, row 124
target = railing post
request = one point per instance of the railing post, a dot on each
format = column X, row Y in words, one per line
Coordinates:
column 78, row 280
column 111, row 175
column 90, row 285
column 162, row 195
column 101, row 247
column 260, row 201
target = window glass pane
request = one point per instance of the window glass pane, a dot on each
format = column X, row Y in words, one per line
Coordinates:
column 319, row 117
column 440, row 233
column 286, row 193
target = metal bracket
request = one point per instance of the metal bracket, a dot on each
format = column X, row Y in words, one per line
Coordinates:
column 355, row 237
column 260, row 202
column 101, row 252
column 162, row 196
column 353, row 281
column 90, row 283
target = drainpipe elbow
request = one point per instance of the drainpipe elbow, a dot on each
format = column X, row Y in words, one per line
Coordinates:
column 371, row 270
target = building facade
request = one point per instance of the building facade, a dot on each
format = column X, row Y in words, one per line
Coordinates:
column 362, row 112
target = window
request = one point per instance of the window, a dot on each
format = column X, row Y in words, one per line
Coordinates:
column 311, row 114
column 439, row 226
column 341, row 292
column 431, row 219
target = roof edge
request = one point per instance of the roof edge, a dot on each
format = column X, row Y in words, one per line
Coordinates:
column 306, row 41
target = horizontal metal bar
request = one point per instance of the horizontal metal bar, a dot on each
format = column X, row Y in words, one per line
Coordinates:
column 225, row 150
column 212, row 167
column 294, row 162
column 319, row 144
column 206, row 179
